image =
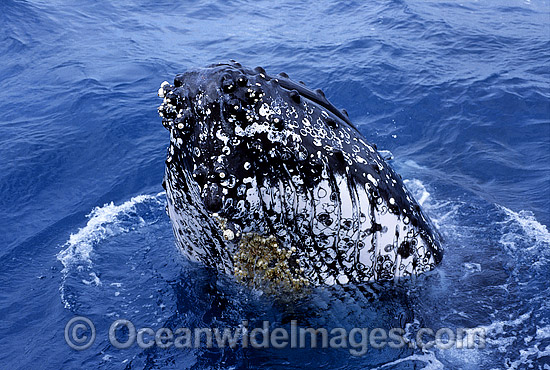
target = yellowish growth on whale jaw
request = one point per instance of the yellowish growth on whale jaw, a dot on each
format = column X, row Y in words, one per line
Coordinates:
column 261, row 263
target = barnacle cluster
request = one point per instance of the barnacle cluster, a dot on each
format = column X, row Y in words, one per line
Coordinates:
column 227, row 232
column 262, row 263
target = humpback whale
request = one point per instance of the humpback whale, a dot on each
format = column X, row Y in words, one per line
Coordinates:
column 268, row 181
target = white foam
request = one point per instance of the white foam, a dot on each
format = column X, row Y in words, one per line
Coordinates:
column 432, row 363
column 543, row 333
column 497, row 336
column 93, row 281
column 104, row 222
column 472, row 267
column 497, row 327
column 529, row 225
column 418, row 190
column 527, row 356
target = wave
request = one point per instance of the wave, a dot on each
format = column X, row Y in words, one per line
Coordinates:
column 104, row 222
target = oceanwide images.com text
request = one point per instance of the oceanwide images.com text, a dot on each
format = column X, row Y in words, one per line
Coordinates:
column 80, row 334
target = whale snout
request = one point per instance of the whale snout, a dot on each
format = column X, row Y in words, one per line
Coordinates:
column 198, row 98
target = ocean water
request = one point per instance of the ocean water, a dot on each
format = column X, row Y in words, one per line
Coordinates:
column 459, row 92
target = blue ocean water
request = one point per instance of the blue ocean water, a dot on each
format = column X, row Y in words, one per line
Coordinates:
column 459, row 92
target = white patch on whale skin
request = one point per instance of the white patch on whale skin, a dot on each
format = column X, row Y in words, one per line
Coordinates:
column 372, row 180
column 161, row 88
column 222, row 137
column 265, row 111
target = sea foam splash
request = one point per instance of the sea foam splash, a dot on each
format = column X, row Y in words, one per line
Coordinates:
column 521, row 225
column 527, row 242
column 104, row 222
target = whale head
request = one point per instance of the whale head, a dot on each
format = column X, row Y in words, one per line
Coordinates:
column 230, row 124
column 263, row 156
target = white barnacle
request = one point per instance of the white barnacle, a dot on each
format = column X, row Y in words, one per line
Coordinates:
column 360, row 159
column 228, row 234
column 306, row 122
column 392, row 201
column 372, row 179
column 246, row 165
column 220, row 135
column 265, row 111
column 343, row 279
column 161, row 89
column 297, row 180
